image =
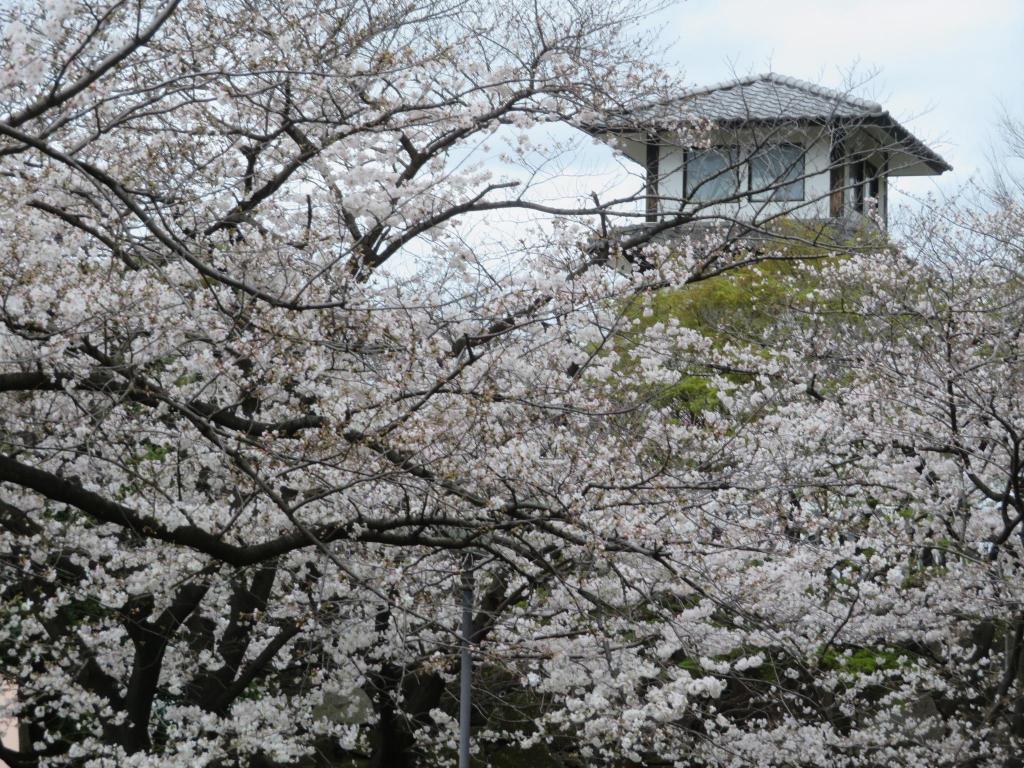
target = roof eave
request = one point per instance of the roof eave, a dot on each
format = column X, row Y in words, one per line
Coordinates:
column 908, row 142
column 902, row 138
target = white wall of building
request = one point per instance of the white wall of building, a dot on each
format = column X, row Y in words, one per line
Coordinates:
column 815, row 205
column 817, row 146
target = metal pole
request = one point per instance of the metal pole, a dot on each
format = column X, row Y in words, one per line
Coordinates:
column 466, row 667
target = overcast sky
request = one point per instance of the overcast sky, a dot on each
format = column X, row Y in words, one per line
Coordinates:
column 944, row 69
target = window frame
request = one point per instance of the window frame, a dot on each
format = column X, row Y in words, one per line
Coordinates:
column 770, row 194
column 732, row 153
column 873, row 181
column 866, row 181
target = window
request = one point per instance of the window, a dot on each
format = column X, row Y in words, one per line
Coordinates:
column 837, row 174
column 711, row 174
column 871, row 171
column 651, row 189
column 857, row 182
column 777, row 173
column 866, row 182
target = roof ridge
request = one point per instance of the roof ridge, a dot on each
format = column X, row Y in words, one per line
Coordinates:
column 792, row 82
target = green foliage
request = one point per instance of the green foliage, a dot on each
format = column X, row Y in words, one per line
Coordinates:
column 187, row 378
column 765, row 671
column 694, row 393
column 154, row 452
column 863, row 661
column 744, row 306
column 84, row 611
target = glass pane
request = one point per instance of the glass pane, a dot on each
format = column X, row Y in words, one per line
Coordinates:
column 776, row 173
column 871, row 172
column 711, row 175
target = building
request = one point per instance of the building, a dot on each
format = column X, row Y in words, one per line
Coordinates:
column 757, row 148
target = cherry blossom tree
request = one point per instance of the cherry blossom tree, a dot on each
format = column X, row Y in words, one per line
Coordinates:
column 264, row 396
column 877, row 559
column 246, row 460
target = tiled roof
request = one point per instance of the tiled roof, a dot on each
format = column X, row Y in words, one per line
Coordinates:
column 771, row 97
column 768, row 98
